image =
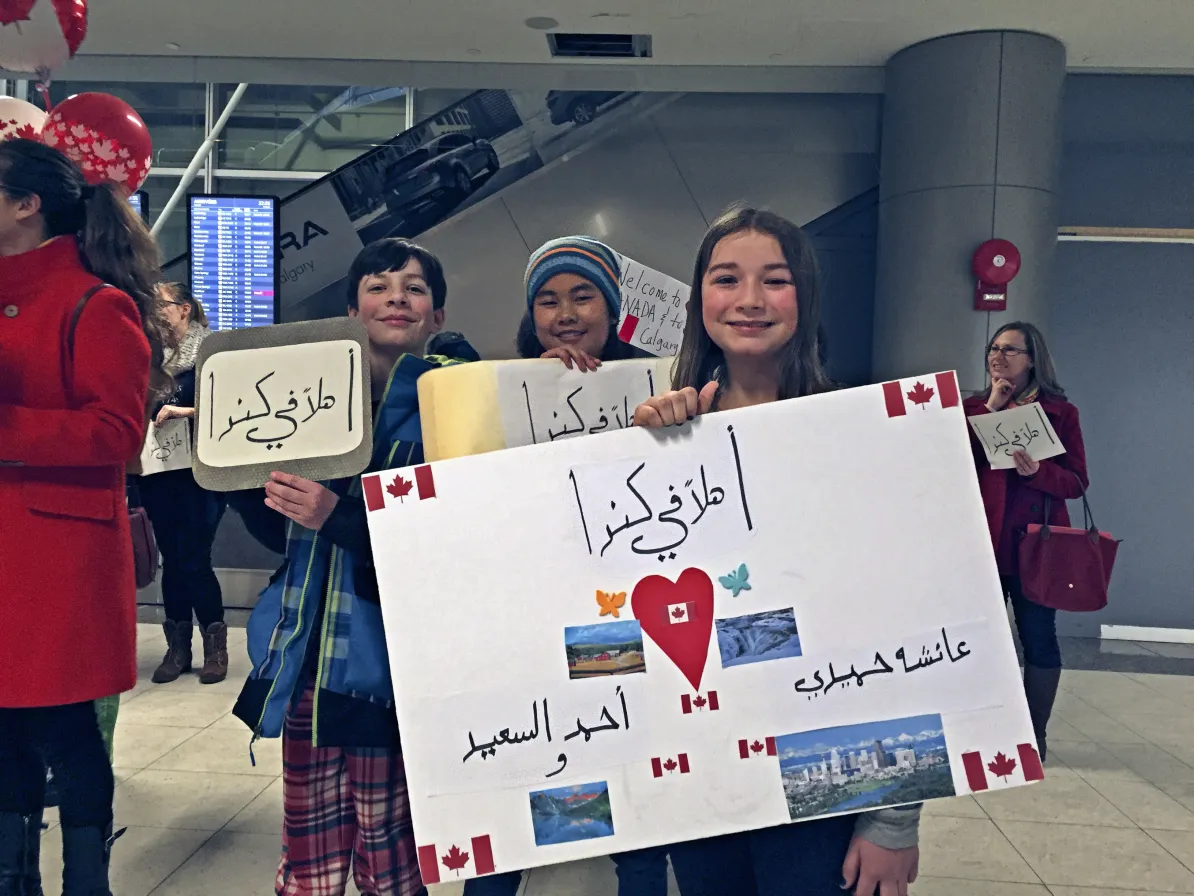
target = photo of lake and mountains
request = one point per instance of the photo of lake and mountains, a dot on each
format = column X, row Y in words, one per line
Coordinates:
column 567, row 814
column 607, row 648
column 854, row 768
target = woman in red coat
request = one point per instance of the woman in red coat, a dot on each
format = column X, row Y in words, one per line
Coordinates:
column 73, row 397
column 1021, row 371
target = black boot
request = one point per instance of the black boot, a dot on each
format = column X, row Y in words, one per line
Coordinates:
column 85, row 855
column 1040, row 687
column 20, row 845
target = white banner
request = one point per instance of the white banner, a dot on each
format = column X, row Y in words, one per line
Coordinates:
column 763, row 616
column 654, row 309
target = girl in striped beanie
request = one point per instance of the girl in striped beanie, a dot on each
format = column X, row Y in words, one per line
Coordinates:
column 574, row 300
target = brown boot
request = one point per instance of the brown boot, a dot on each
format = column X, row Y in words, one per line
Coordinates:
column 178, row 652
column 215, row 653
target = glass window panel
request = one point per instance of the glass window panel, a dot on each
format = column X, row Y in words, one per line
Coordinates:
column 283, row 127
column 172, row 112
column 430, row 101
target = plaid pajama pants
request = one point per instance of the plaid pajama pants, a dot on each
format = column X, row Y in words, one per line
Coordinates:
column 343, row 807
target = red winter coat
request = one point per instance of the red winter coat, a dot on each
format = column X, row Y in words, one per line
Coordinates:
column 1013, row 501
column 67, row 428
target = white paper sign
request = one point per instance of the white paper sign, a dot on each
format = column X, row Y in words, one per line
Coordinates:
column 842, row 649
column 654, row 309
column 544, row 401
column 1022, row 428
column 167, row 447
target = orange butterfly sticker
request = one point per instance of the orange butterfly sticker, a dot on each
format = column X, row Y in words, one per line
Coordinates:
column 611, row 603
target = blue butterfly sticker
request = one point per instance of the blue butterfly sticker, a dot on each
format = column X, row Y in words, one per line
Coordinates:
column 737, row 581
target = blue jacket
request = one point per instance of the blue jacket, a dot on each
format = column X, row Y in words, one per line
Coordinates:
column 320, row 615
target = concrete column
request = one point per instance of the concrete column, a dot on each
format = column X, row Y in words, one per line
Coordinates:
column 971, row 151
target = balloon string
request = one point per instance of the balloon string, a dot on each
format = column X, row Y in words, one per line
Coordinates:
column 43, row 88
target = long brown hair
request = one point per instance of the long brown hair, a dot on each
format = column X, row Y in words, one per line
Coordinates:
column 701, row 360
column 179, row 293
column 114, row 242
column 1044, row 374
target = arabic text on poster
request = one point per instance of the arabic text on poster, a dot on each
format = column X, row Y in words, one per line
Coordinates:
column 167, row 447
column 1024, row 428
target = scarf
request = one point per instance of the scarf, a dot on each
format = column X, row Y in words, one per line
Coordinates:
column 182, row 357
column 1030, row 394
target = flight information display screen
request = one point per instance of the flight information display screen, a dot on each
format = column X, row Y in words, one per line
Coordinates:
column 140, row 203
column 233, row 252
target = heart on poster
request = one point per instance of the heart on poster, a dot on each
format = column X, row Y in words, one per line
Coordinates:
column 678, row 616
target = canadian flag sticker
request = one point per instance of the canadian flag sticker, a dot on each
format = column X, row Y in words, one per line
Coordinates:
column 937, row 392
column 382, row 490
column 629, row 325
column 677, row 613
column 749, row 748
column 668, row 766
column 700, row 703
column 1001, row 768
column 455, row 859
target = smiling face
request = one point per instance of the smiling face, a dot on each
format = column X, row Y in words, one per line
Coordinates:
column 570, row 310
column 748, row 297
column 1009, row 358
column 397, row 309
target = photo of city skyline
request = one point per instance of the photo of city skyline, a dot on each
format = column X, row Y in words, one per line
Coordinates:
column 853, row 768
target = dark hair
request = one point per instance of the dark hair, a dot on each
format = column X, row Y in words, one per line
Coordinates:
column 180, row 294
column 114, row 242
column 700, row 360
column 393, row 254
column 1044, row 375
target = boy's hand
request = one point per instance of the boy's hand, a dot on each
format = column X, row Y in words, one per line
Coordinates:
column 307, row 503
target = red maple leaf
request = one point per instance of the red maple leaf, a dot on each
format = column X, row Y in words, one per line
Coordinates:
column 678, row 613
column 27, row 132
column 699, row 702
column 455, row 859
column 757, row 747
column 1002, row 766
column 921, row 395
column 400, row 488
column 670, row 765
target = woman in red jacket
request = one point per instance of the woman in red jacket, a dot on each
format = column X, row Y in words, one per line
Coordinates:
column 1021, row 371
column 74, row 378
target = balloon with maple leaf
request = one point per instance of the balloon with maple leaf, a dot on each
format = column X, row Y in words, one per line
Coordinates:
column 39, row 35
column 104, row 136
column 20, row 119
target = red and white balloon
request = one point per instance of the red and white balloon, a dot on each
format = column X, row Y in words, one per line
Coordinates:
column 103, row 136
column 20, row 119
column 37, row 35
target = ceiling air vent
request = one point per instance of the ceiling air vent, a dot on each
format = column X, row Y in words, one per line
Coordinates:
column 600, row 46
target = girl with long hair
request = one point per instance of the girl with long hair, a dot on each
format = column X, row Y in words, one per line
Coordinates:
column 1022, row 372
column 80, row 350
column 752, row 338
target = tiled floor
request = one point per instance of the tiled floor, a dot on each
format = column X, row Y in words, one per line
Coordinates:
column 1115, row 813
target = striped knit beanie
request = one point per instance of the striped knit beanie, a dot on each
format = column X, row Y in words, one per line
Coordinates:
column 582, row 256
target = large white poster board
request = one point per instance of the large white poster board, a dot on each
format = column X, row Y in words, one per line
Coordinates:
column 654, row 309
column 764, row 616
column 292, row 398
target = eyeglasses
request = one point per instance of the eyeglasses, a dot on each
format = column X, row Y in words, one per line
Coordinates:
column 1008, row 351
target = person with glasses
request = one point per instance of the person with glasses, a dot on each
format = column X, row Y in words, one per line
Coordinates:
column 185, row 516
column 1021, row 372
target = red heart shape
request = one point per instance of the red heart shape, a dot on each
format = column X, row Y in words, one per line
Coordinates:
column 684, row 643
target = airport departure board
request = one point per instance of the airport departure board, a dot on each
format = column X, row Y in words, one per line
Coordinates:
column 234, row 273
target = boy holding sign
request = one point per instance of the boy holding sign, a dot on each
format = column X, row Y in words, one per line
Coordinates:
column 321, row 677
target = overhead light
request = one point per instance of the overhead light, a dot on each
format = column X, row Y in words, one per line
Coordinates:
column 173, row 46
column 542, row 23
column 473, row 51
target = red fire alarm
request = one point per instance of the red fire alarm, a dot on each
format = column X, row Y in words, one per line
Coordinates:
column 995, row 263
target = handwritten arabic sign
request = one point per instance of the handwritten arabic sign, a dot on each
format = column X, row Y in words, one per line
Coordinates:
column 757, row 618
column 1024, row 428
column 490, row 405
column 167, row 447
column 293, row 397
column 544, row 401
column 654, row 309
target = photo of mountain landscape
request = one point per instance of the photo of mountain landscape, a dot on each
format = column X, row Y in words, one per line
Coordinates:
column 758, row 637
column 608, row 648
column 567, row 814
column 857, row 767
